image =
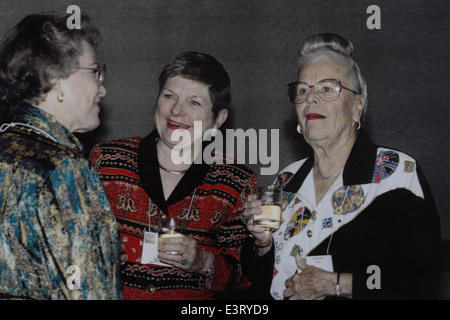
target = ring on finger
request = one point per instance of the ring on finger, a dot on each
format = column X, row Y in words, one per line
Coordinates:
column 184, row 261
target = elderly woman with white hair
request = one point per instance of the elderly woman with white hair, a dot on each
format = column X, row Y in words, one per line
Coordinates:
column 358, row 220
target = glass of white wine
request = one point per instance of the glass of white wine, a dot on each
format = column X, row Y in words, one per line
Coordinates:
column 271, row 199
column 171, row 228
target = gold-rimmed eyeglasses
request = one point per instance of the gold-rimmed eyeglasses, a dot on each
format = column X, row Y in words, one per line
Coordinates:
column 326, row 90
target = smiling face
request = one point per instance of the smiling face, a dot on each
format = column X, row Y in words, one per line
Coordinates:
column 327, row 122
column 79, row 111
column 180, row 103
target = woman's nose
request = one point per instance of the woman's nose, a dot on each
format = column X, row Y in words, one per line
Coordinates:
column 102, row 91
column 177, row 109
column 312, row 96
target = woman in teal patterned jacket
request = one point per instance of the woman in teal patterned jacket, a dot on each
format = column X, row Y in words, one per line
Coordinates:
column 58, row 236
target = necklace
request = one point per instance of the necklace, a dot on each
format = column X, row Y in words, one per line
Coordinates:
column 171, row 171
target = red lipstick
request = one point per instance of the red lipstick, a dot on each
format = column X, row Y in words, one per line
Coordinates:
column 174, row 125
column 314, row 116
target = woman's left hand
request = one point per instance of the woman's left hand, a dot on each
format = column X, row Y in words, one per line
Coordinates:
column 190, row 257
column 311, row 284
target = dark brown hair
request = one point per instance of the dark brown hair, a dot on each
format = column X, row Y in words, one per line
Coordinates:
column 203, row 68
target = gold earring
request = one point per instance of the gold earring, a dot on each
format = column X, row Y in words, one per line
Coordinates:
column 60, row 97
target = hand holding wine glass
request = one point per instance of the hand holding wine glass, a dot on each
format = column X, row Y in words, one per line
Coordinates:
column 263, row 215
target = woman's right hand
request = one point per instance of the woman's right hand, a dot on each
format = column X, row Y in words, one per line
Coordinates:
column 263, row 238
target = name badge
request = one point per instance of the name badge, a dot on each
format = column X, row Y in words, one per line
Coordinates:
column 324, row 262
column 150, row 249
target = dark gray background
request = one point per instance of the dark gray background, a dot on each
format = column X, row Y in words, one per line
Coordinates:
column 405, row 64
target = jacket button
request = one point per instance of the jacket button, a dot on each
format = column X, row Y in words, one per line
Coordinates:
column 309, row 233
column 150, row 289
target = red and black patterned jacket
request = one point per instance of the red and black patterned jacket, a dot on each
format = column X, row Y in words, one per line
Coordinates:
column 129, row 171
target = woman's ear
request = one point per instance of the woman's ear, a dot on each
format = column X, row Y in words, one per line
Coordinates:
column 358, row 108
column 221, row 118
column 52, row 98
column 57, row 91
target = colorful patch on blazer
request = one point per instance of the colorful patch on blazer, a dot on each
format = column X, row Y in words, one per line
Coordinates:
column 283, row 179
column 347, row 199
column 296, row 250
column 298, row 222
column 409, row 166
column 327, row 223
column 385, row 165
column 275, row 272
column 287, row 198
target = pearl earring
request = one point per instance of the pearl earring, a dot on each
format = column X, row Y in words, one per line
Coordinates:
column 213, row 132
column 60, row 97
column 299, row 129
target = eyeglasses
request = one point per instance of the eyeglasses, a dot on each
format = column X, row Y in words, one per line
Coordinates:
column 99, row 73
column 326, row 90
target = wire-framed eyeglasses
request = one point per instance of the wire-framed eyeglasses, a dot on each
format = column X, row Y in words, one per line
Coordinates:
column 99, row 72
column 326, row 90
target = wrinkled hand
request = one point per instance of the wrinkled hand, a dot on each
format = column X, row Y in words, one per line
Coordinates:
column 196, row 259
column 311, row 283
column 252, row 207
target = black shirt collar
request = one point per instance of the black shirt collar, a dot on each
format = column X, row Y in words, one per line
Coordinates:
column 361, row 162
column 151, row 179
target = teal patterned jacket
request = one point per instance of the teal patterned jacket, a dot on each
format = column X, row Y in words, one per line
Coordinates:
column 58, row 236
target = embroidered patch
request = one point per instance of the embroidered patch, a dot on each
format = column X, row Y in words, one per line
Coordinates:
column 275, row 272
column 283, row 179
column 287, row 198
column 126, row 202
column 298, row 221
column 409, row 166
column 296, row 250
column 327, row 223
column 347, row 199
column 386, row 163
column 279, row 246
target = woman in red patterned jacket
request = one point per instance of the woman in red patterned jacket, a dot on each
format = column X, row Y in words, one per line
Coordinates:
column 145, row 183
